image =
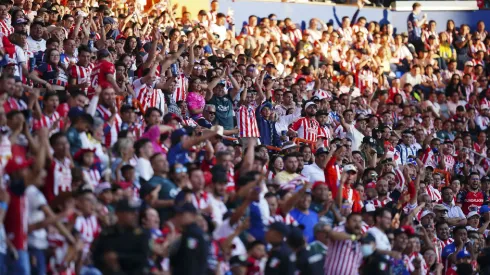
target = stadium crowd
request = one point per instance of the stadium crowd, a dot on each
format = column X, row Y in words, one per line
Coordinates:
column 142, row 141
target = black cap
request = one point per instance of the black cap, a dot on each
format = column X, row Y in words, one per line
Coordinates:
column 125, row 205
column 369, row 141
column 186, row 207
column 280, row 227
column 239, row 260
column 219, row 174
column 368, row 239
column 321, row 150
column 146, row 189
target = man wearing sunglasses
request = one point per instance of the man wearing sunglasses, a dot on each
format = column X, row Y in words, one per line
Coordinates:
column 472, row 197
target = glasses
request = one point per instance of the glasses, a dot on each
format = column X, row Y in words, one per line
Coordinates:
column 55, row 55
column 279, row 95
column 181, row 170
column 475, row 179
column 211, row 113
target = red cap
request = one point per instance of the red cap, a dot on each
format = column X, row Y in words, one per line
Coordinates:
column 17, row 163
column 370, row 185
column 317, row 183
column 79, row 154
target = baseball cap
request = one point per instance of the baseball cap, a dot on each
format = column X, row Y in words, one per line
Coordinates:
column 177, row 134
column 427, row 212
column 126, row 108
column 317, row 183
column 102, row 187
column 350, row 167
column 463, row 254
column 239, row 260
column 17, row 163
column 146, row 189
column 368, row 208
column 407, row 229
column 103, row 53
column 484, row 209
column 368, row 239
column 472, row 213
column 439, row 207
column 280, row 227
column 186, row 207
column 468, row 63
column 369, row 141
column 20, row 21
column 125, row 205
column 321, row 150
column 309, row 104
column 170, row 116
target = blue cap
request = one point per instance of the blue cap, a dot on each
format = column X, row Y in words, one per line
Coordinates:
column 267, row 104
column 463, row 254
column 108, row 20
column 484, row 209
column 177, row 134
column 75, row 112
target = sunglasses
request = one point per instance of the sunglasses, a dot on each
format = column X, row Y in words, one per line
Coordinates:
column 212, row 113
column 181, row 170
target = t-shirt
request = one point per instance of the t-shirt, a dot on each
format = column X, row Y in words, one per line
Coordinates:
column 143, row 169
column 414, row 31
column 99, row 75
column 177, row 154
column 168, row 191
column 307, row 220
column 382, row 241
column 224, row 111
column 37, row 238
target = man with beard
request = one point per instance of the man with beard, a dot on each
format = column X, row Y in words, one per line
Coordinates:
column 307, row 126
column 443, row 237
column 290, row 168
column 472, row 198
column 382, row 217
column 344, row 255
column 449, row 252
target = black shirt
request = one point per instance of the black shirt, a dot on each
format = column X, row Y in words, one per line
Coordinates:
column 376, row 264
column 282, row 261
column 309, row 263
column 191, row 253
column 132, row 246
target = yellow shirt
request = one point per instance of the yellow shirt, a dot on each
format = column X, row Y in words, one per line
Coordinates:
column 445, row 51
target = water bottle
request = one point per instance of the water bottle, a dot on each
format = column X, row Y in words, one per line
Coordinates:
column 174, row 68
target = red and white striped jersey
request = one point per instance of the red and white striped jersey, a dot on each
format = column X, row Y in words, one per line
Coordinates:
column 339, row 132
column 247, row 121
column 81, row 74
column 89, row 229
column 449, row 161
column 190, row 122
column 110, row 131
column 145, row 94
column 429, row 159
column 408, row 260
column 14, row 104
column 47, row 121
column 364, row 228
column 307, row 128
column 59, row 178
column 5, row 28
column 365, row 80
column 324, row 131
column 434, row 194
column 91, row 176
column 343, row 257
column 446, row 242
column 180, row 93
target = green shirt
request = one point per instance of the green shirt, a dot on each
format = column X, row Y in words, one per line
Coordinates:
column 224, row 111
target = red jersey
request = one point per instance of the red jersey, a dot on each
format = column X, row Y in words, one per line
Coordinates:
column 99, row 74
column 58, row 178
column 307, row 128
column 470, row 201
column 16, row 227
column 47, row 121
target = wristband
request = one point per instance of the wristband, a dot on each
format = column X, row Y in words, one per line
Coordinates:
column 4, row 206
column 353, row 237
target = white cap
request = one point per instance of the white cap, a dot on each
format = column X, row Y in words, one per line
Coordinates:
column 469, row 63
column 350, row 167
column 472, row 213
column 369, row 207
column 309, row 104
column 427, row 212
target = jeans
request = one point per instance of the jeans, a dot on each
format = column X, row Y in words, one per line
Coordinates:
column 38, row 263
column 20, row 266
column 3, row 264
